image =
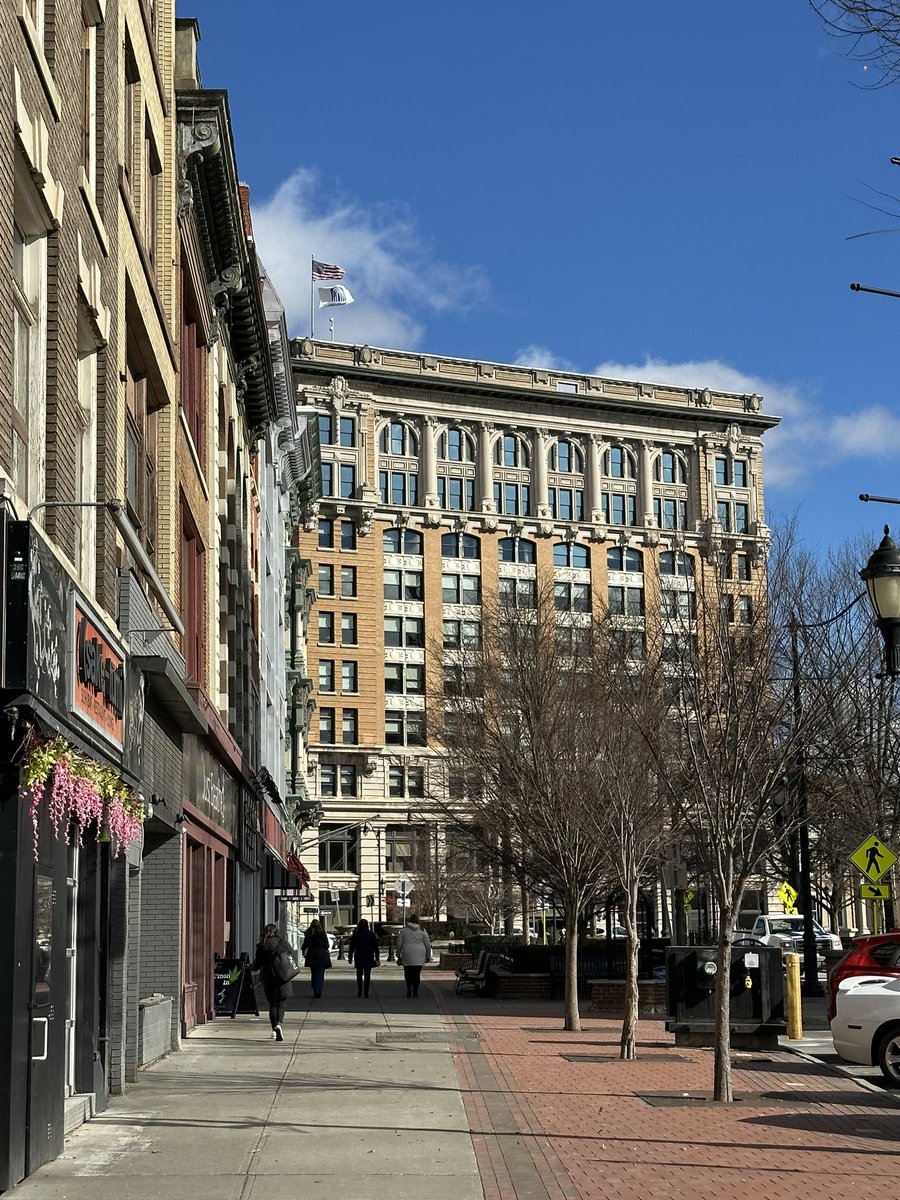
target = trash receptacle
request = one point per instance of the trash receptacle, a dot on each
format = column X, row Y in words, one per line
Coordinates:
column 756, row 986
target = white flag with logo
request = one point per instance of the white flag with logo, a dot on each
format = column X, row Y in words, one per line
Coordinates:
column 331, row 296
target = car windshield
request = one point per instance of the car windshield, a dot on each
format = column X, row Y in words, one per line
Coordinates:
column 791, row 925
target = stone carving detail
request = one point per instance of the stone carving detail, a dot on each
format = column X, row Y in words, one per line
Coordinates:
column 311, row 519
column 305, row 347
column 432, row 518
column 199, row 139
column 753, row 403
column 545, row 528
column 489, row 522
column 365, row 355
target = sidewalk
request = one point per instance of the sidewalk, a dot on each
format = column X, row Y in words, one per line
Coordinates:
column 458, row 1098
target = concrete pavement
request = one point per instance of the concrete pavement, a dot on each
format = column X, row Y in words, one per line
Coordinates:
column 463, row 1098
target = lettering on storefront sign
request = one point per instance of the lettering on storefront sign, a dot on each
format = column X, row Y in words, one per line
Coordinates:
column 214, row 797
column 98, row 683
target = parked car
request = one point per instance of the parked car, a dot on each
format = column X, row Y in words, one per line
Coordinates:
column 334, row 943
column 872, row 954
column 866, row 1026
column 787, row 934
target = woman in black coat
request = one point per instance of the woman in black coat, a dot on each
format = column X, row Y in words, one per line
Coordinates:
column 364, row 949
column 317, row 955
column 277, row 992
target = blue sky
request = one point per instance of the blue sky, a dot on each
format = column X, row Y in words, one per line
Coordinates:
column 648, row 189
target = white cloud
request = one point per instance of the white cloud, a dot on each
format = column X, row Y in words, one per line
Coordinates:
column 541, row 356
column 395, row 280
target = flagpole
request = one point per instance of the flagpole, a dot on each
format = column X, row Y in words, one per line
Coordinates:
column 312, row 288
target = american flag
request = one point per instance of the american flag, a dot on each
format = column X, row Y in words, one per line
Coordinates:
column 322, row 270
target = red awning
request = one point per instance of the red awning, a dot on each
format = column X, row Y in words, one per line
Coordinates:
column 296, row 867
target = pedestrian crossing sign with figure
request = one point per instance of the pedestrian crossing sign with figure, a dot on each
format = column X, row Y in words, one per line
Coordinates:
column 873, row 858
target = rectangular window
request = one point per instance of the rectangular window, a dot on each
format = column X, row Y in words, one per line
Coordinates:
column 326, row 535
column 396, row 782
column 348, row 535
column 450, row 589
column 348, row 629
column 722, row 472
column 348, row 582
column 745, row 610
column 326, row 725
column 349, row 677
column 412, row 585
column 348, row 481
column 326, row 429
column 398, row 487
column 327, row 479
column 723, row 512
column 471, row 589
column 193, row 366
column 739, row 472
column 150, row 196
column 193, row 598
column 326, row 579
column 383, row 487
column 742, row 563
column 349, row 730
column 327, row 779
column 348, row 431
column 131, row 102
column 393, row 631
column 348, row 781
column 414, row 632
column 415, row 782
column 89, row 102
column 392, row 584
column 741, row 518
column 326, row 675
column 326, row 628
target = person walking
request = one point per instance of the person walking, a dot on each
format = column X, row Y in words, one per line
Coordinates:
column 413, row 952
column 269, row 945
column 364, row 950
column 317, row 956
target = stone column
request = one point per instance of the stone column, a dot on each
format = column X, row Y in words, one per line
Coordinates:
column 428, row 462
column 596, row 448
column 539, row 472
column 645, row 484
column 486, row 467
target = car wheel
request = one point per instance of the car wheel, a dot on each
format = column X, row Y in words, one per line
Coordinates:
column 888, row 1055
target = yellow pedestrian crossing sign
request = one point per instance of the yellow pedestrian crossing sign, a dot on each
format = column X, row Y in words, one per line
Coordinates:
column 873, row 858
column 788, row 897
column 875, row 891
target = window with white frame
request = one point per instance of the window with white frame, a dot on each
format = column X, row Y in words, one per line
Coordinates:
column 406, row 781
column 404, row 631
column 460, row 545
column 518, row 593
column 403, row 728
column 460, row 635
column 402, row 541
column 571, row 554
column 511, row 450
column 403, row 585
column 572, row 597
column 399, row 440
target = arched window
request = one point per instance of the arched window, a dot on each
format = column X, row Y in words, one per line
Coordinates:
column 511, row 451
column 618, row 463
column 517, row 550
column 565, row 456
column 460, row 545
column 670, row 468
column 571, row 554
column 398, row 438
column 402, row 541
column 622, row 558
column 674, row 562
column 455, row 445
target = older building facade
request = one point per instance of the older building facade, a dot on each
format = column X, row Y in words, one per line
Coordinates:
column 449, row 483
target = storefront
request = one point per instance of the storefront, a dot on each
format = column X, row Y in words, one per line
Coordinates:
column 209, row 824
column 70, row 823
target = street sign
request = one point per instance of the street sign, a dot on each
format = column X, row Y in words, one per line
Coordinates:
column 311, row 912
column 875, row 891
column 403, row 884
column 873, row 858
column 403, row 903
column 788, row 897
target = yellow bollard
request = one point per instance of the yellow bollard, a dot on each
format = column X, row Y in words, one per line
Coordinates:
column 792, row 996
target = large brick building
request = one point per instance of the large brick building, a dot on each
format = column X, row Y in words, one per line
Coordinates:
column 449, row 483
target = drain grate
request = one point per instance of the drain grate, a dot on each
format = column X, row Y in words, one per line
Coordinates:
column 755, row 1099
column 416, row 1035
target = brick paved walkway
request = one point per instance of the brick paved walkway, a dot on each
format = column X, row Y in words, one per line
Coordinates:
column 548, row 1128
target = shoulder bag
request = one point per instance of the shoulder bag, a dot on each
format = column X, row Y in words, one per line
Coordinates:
column 284, row 967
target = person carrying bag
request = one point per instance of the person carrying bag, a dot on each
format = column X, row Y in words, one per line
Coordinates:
column 413, row 952
column 364, row 949
column 273, row 954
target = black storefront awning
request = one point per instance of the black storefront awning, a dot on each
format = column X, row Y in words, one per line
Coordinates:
column 170, row 689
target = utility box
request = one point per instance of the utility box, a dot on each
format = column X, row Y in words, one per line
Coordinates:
column 756, row 986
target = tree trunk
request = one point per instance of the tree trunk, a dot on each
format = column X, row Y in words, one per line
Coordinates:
column 572, row 1015
column 722, row 1089
column 526, row 915
column 627, row 1047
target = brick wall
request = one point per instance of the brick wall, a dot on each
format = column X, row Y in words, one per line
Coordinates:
column 608, row 997
column 520, row 987
column 161, row 920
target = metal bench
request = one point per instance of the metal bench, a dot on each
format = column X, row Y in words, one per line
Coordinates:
column 474, row 977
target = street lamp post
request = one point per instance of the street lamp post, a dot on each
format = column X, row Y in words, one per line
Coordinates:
column 811, row 985
column 882, row 578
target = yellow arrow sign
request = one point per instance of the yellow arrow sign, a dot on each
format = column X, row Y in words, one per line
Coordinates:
column 875, row 891
column 873, row 858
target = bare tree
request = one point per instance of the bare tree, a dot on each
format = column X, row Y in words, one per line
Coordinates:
column 516, row 723
column 732, row 734
column 870, row 31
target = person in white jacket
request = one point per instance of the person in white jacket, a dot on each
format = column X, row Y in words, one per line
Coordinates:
column 413, row 952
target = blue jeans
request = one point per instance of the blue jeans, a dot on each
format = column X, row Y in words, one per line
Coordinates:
column 317, row 979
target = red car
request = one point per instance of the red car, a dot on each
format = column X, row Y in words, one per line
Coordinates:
column 874, row 954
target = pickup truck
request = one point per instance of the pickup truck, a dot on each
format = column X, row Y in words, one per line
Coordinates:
column 787, row 934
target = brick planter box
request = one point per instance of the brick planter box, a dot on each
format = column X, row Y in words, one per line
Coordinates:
column 608, row 997
column 454, row 962
column 507, row 986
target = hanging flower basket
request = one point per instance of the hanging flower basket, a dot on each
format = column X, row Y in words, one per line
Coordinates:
column 79, row 793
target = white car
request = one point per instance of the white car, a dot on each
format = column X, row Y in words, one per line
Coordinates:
column 787, row 934
column 866, row 1025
